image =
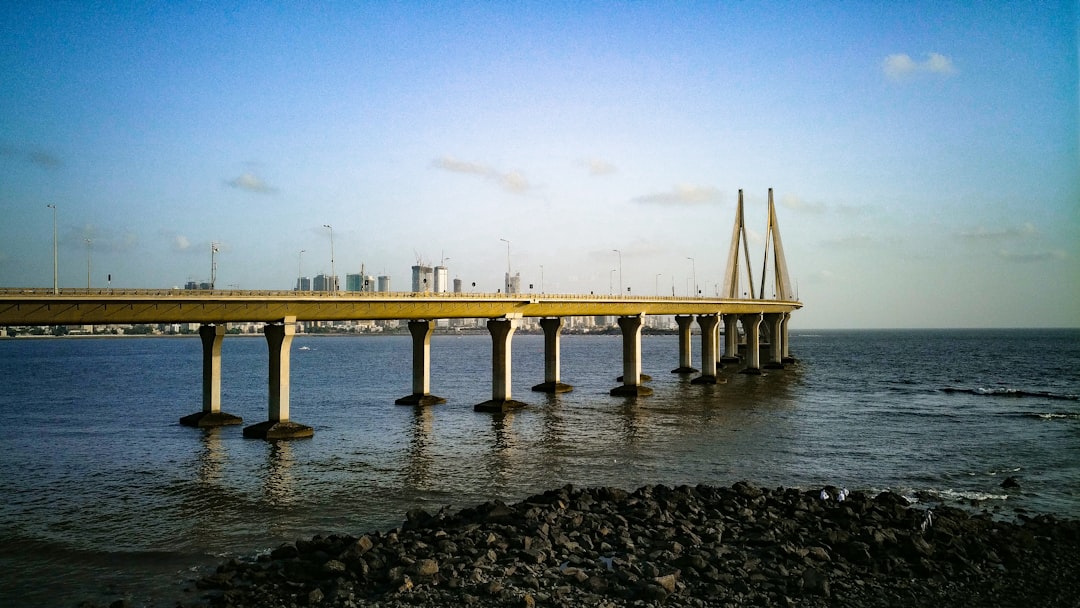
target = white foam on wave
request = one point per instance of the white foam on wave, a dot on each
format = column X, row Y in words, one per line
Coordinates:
column 951, row 494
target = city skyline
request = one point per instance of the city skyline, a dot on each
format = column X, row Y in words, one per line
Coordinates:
column 924, row 156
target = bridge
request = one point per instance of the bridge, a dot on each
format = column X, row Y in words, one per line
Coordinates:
column 280, row 311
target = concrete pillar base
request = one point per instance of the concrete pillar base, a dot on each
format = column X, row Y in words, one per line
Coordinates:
column 499, row 405
column 752, row 371
column 206, row 420
column 685, row 370
column 420, row 399
column 773, row 365
column 272, row 430
column 790, row 359
column 730, row 359
column 703, row 379
column 641, row 378
column 552, row 387
column 631, row 390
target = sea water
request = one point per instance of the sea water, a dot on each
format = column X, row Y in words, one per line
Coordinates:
column 105, row 495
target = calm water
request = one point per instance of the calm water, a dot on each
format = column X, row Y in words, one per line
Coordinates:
column 106, row 495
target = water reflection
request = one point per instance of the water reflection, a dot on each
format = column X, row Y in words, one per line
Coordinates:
column 503, row 450
column 419, row 463
column 279, row 485
column 212, row 458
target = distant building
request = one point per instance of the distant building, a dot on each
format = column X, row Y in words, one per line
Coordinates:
column 325, row 283
column 457, row 285
column 384, row 283
column 423, row 278
column 441, row 283
column 513, row 283
column 303, row 284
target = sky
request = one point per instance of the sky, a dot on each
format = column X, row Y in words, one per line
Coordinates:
column 923, row 155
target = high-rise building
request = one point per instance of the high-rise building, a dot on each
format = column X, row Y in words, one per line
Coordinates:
column 325, row 283
column 513, row 283
column 354, row 282
column 457, row 285
column 423, row 278
column 384, row 283
column 442, row 285
column 303, row 284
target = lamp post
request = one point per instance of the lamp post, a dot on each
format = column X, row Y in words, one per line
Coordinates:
column 299, row 273
column 507, row 286
column 541, row 278
column 693, row 269
column 620, row 269
column 213, row 264
column 333, row 274
column 610, row 276
column 55, row 276
column 88, row 242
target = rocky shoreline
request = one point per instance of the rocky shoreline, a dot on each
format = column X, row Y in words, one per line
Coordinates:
column 682, row 546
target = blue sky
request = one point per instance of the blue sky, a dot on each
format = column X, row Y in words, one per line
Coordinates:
column 924, row 155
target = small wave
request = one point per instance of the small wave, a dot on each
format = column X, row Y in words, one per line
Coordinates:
column 953, row 495
column 1010, row 392
column 1054, row 416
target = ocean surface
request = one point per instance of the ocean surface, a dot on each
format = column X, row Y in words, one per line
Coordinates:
column 106, row 496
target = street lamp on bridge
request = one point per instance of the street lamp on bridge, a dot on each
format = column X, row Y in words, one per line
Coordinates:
column 693, row 269
column 55, row 275
column 88, row 242
column 620, row 269
column 299, row 273
column 333, row 274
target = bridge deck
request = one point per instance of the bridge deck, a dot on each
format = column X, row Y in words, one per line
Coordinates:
column 116, row 306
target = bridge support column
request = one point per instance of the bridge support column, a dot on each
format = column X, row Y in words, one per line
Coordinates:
column 787, row 358
column 709, row 324
column 421, row 365
column 502, row 330
column 731, row 339
column 631, row 352
column 686, row 363
column 774, row 323
column 211, row 414
column 551, row 383
column 279, row 338
column 752, row 326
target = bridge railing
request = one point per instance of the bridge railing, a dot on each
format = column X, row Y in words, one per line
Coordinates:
column 251, row 293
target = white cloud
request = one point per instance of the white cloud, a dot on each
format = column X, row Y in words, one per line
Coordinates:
column 982, row 233
column 901, row 66
column 683, row 195
column 180, row 242
column 1032, row 256
column 251, row 183
column 512, row 181
column 793, row 202
column 598, row 167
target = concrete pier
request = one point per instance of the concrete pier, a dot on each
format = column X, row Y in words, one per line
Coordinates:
column 752, row 327
column 279, row 338
column 731, row 339
column 551, row 384
column 632, row 377
column 502, row 330
column 211, row 414
column 421, row 365
column 686, row 363
column 787, row 358
column 709, row 325
column 774, row 325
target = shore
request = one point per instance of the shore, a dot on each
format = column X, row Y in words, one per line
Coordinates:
column 684, row 546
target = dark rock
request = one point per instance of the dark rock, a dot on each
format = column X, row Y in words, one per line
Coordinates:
column 1010, row 483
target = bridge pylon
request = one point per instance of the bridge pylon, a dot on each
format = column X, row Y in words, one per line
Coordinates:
column 739, row 259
